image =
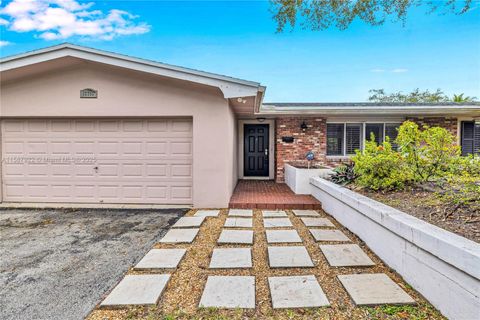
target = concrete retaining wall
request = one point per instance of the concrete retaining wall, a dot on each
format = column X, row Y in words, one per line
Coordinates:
column 298, row 178
column 442, row 266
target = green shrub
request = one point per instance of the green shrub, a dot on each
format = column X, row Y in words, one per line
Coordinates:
column 344, row 174
column 429, row 152
column 462, row 183
column 465, row 166
column 381, row 167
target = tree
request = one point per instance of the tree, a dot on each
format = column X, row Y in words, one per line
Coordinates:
column 459, row 98
column 322, row 14
column 416, row 96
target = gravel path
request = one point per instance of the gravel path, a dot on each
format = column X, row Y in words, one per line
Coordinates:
column 58, row 264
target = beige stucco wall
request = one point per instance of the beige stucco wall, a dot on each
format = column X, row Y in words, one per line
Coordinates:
column 124, row 93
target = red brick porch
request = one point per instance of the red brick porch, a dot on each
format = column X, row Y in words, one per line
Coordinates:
column 251, row 194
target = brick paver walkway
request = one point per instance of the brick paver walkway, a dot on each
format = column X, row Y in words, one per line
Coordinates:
column 257, row 194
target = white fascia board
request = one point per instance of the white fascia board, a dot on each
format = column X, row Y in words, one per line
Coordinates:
column 377, row 110
column 230, row 87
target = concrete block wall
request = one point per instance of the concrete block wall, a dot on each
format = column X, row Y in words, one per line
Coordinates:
column 442, row 266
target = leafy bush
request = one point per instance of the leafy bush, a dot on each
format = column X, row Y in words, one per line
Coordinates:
column 429, row 152
column 381, row 167
column 465, row 166
column 344, row 174
column 462, row 183
column 429, row 155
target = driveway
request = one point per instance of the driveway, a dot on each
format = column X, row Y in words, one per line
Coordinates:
column 57, row 264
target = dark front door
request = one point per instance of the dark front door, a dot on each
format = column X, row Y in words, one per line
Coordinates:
column 256, row 150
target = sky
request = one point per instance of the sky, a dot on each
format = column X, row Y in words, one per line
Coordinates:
column 239, row 39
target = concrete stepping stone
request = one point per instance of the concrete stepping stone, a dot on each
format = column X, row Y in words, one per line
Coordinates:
column 207, row 213
column 274, row 214
column 317, row 222
column 231, row 258
column 229, row 292
column 236, row 236
column 238, row 222
column 306, row 213
column 240, row 212
column 346, row 255
column 189, row 222
column 374, row 289
column 141, row 289
column 161, row 259
column 283, row 236
column 296, row 292
column 277, row 222
column 328, row 235
column 289, row 257
column 180, row 236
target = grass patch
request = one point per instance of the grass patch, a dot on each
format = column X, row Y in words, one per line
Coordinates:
column 388, row 312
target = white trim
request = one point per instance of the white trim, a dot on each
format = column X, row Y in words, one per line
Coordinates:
column 230, row 87
column 271, row 151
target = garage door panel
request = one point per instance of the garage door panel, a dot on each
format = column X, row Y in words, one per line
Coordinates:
column 180, row 148
column 37, row 125
column 37, row 170
column 84, row 126
column 60, row 148
column 12, row 148
column 90, row 161
column 61, row 125
column 181, row 193
column 14, row 191
column 37, row 148
column 157, row 125
column 61, row 170
column 13, row 170
column 62, row 191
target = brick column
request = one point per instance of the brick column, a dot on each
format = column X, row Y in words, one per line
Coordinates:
column 311, row 139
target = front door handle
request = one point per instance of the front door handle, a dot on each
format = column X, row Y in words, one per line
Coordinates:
column 266, row 152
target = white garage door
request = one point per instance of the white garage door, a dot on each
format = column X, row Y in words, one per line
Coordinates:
column 97, row 161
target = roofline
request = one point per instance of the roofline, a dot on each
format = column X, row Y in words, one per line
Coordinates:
column 226, row 84
column 405, row 109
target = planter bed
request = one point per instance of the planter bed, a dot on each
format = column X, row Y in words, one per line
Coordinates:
column 297, row 176
column 439, row 264
column 427, row 207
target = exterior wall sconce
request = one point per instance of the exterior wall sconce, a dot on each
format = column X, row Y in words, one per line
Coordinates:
column 303, row 126
column 260, row 119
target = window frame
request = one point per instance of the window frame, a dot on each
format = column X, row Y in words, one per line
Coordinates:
column 343, row 140
column 363, row 130
column 475, row 143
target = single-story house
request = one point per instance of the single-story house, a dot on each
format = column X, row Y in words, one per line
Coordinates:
column 80, row 125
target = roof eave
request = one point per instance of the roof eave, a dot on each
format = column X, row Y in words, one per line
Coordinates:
column 378, row 110
column 230, row 87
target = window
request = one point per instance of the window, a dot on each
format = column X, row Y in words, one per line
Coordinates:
column 391, row 131
column 344, row 138
column 470, row 137
column 376, row 129
column 353, row 137
column 335, row 139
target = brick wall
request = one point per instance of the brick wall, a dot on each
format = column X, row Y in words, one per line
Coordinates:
column 451, row 124
column 311, row 139
column 314, row 139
